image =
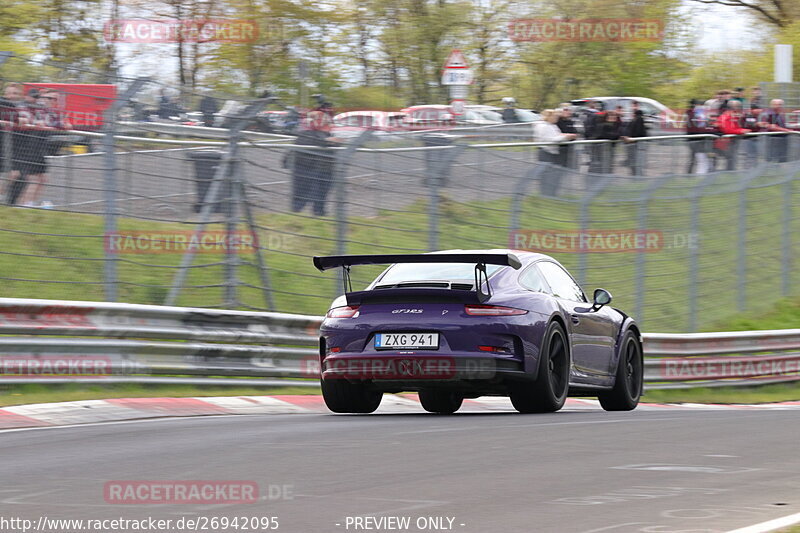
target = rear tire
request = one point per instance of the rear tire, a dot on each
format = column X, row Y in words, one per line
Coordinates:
column 342, row 396
column 549, row 392
column 440, row 401
column 630, row 377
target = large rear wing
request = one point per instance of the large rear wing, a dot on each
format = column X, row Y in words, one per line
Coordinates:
column 480, row 260
column 332, row 261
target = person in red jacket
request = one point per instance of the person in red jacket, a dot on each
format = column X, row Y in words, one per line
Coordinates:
column 730, row 123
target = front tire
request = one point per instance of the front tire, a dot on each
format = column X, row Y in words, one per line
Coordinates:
column 549, row 392
column 629, row 377
column 440, row 401
column 342, row 396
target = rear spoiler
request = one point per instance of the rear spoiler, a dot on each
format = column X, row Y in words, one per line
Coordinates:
column 332, row 261
column 480, row 260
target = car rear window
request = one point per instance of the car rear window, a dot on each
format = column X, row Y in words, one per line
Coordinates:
column 434, row 271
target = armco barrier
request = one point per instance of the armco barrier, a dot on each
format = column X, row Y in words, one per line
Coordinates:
column 147, row 343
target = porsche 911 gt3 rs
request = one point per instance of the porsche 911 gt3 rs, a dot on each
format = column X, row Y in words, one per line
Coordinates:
column 462, row 324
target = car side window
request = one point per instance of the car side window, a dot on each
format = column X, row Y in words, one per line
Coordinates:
column 561, row 283
column 532, row 280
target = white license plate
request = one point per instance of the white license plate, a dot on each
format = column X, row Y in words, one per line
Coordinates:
column 408, row 341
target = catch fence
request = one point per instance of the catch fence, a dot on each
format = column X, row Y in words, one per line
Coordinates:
column 684, row 231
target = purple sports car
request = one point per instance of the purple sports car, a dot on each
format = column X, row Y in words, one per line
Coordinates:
column 464, row 323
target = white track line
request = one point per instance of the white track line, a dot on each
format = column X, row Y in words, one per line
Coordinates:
column 771, row 525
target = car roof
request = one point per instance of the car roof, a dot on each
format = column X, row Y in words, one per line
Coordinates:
column 523, row 255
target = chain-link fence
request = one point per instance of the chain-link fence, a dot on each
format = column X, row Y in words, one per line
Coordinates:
column 684, row 231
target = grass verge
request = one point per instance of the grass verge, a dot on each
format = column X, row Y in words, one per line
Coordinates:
column 727, row 395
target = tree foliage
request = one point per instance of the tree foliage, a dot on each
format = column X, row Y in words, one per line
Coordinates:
column 388, row 53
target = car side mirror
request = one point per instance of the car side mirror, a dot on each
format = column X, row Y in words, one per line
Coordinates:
column 601, row 297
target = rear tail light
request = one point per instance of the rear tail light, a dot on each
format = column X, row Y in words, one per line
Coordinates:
column 347, row 311
column 494, row 349
column 492, row 310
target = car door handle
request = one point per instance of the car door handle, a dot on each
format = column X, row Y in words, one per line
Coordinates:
column 576, row 320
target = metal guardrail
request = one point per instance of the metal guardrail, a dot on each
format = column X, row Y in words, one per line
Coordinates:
column 159, row 344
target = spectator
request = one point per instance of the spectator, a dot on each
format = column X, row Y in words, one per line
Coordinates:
column 729, row 123
column 697, row 123
column 164, row 105
column 738, row 95
column 609, row 128
column 634, row 129
column 717, row 105
column 547, row 130
column 774, row 120
column 566, row 124
column 9, row 112
column 510, row 111
column 755, row 101
column 24, row 142
column 751, row 120
column 313, row 168
column 48, row 121
column 208, row 107
column 590, row 119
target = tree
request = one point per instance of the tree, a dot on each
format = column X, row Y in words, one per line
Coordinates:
column 779, row 13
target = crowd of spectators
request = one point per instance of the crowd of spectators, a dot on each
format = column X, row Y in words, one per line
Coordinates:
column 28, row 120
column 731, row 113
column 721, row 125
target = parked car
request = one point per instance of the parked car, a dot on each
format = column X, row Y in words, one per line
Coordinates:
column 424, row 117
column 659, row 118
column 521, row 115
column 352, row 123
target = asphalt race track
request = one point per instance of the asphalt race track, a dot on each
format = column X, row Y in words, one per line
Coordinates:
column 574, row 471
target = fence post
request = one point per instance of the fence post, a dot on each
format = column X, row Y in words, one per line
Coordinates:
column 213, row 197
column 110, row 184
column 438, row 160
column 741, row 260
column 231, row 189
column 595, row 188
column 342, row 161
column 263, row 272
column 694, row 228
column 644, row 208
column 531, row 176
column 6, row 131
column 786, row 231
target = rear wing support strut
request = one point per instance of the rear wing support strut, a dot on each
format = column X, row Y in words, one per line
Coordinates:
column 480, row 277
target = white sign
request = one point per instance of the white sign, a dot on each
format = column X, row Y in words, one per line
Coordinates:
column 457, row 107
column 456, row 60
column 458, row 77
